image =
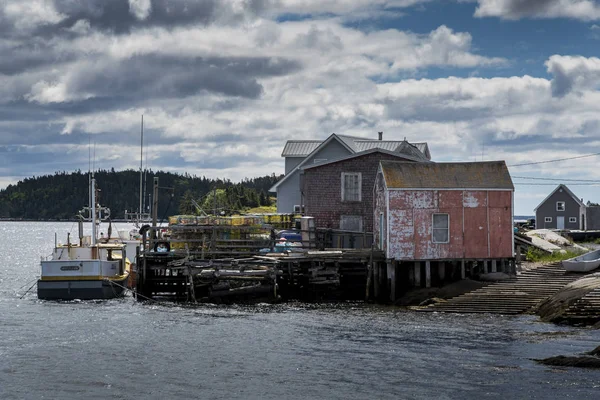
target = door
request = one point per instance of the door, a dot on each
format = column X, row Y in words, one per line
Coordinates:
column 560, row 222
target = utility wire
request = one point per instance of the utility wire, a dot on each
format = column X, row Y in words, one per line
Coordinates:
column 556, row 160
column 557, row 179
column 554, row 184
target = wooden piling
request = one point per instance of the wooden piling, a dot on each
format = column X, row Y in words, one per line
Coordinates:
column 427, row 274
column 417, row 272
column 391, row 273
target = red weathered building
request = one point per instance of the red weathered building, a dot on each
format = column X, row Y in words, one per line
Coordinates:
column 456, row 215
column 339, row 193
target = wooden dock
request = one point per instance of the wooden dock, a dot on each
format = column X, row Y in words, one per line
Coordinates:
column 515, row 296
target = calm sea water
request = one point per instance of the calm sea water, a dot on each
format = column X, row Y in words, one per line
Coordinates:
column 121, row 349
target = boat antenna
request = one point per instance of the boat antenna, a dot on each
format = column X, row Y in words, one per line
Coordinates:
column 141, row 167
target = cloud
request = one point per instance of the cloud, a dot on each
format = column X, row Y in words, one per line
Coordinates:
column 54, row 17
column 573, row 73
column 140, row 8
column 143, row 78
column 586, row 10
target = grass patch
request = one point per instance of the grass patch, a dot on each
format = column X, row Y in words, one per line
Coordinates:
column 261, row 210
column 537, row 255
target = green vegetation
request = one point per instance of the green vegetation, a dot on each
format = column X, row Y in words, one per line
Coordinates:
column 62, row 195
column 537, row 255
column 262, row 210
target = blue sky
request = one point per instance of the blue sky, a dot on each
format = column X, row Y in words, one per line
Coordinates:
column 224, row 83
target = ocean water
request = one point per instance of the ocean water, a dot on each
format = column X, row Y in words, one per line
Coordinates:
column 121, row 349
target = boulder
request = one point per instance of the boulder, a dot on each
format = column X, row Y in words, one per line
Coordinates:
column 584, row 361
column 554, row 309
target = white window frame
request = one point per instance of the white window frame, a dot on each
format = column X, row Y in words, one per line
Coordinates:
column 352, row 174
column 360, row 222
column 572, row 220
column 564, row 206
column 547, row 219
column 433, row 228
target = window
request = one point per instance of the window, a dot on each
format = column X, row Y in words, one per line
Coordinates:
column 560, row 206
column 319, row 160
column 351, row 223
column 573, row 220
column 351, row 186
column 441, row 228
column 548, row 219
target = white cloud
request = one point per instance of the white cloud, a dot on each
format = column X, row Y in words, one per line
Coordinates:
column 141, row 9
column 573, row 73
column 587, row 10
column 31, row 14
column 341, row 6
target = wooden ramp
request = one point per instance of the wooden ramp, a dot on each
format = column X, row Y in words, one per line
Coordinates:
column 515, row 296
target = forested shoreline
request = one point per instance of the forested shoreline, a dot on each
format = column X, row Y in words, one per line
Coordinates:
column 61, row 195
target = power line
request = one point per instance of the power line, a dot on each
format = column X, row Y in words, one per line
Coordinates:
column 557, row 179
column 554, row 184
column 556, row 160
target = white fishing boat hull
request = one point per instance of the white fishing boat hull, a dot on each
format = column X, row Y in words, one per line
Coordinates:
column 100, row 289
column 583, row 263
column 84, row 273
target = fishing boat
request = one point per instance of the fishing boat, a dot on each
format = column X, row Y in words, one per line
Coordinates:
column 92, row 268
column 583, row 263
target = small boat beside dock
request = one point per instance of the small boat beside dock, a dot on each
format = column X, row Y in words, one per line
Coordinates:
column 583, row 263
column 88, row 269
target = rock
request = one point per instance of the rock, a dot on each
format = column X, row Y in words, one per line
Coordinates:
column 556, row 308
column 433, row 300
column 552, row 241
column 595, row 352
column 572, row 361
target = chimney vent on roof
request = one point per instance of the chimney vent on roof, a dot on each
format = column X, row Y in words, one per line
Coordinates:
column 380, row 135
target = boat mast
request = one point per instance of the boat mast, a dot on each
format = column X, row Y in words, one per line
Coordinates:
column 141, row 169
column 93, row 207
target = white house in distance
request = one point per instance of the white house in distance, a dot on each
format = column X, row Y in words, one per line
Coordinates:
column 300, row 153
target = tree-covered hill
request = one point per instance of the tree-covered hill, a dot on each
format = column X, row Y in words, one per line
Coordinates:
column 62, row 195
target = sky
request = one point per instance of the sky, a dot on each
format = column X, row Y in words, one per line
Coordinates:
column 222, row 84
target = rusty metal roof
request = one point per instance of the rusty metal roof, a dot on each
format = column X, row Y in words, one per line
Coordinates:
column 467, row 175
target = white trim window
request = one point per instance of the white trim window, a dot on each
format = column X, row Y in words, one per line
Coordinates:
column 560, row 206
column 351, row 223
column 351, row 186
column 441, row 228
column 547, row 219
column 573, row 220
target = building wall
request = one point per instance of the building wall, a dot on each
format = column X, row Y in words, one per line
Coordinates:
column 379, row 208
column 480, row 224
column 548, row 209
column 291, row 163
column 592, row 217
column 288, row 193
column 322, row 190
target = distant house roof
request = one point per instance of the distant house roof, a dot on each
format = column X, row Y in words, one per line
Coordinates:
column 567, row 190
column 468, row 175
column 302, row 148
column 362, row 153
